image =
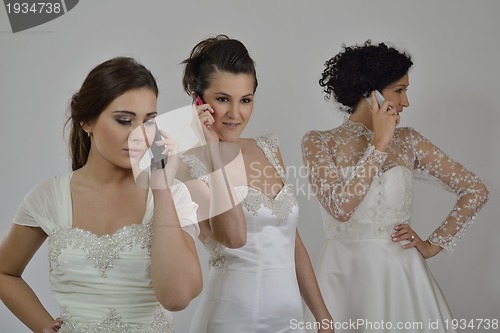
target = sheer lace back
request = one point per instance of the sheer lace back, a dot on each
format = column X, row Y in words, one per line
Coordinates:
column 343, row 165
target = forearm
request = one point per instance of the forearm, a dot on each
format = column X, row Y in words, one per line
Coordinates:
column 226, row 219
column 175, row 269
column 23, row 303
column 341, row 194
column 308, row 284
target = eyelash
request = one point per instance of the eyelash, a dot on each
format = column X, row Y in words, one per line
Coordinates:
column 124, row 121
column 128, row 122
column 224, row 99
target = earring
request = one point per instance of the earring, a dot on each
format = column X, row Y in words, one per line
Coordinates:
column 89, row 134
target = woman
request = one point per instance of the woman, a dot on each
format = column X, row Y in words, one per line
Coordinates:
column 119, row 258
column 258, row 264
column 372, row 266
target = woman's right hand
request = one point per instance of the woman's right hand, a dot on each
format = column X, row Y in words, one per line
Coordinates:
column 205, row 119
column 384, row 120
column 56, row 325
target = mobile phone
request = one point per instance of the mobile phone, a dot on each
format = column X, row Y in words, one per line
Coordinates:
column 158, row 159
column 378, row 96
column 198, row 99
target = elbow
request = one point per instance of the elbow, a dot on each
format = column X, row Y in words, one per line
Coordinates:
column 338, row 214
column 178, row 304
column 179, row 299
column 486, row 193
column 342, row 218
column 235, row 241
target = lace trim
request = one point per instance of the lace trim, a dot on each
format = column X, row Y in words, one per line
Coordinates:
column 113, row 323
column 281, row 206
column 327, row 154
column 103, row 250
column 198, row 170
column 269, row 145
column 216, row 253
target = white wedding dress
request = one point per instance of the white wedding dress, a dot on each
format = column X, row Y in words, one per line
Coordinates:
column 369, row 283
column 253, row 289
column 102, row 283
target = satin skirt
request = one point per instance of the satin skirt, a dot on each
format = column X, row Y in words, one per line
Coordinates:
column 376, row 286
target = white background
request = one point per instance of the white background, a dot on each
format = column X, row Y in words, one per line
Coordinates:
column 454, row 95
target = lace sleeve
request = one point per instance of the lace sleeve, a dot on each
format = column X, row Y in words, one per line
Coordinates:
column 339, row 193
column 472, row 193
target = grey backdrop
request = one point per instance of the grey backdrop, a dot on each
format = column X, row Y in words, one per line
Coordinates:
column 453, row 93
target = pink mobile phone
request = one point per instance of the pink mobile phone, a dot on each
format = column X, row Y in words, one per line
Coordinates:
column 199, row 100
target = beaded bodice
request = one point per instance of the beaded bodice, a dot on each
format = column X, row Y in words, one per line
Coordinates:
column 104, row 281
column 267, row 218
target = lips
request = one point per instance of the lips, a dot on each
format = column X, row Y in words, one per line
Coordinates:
column 133, row 152
column 231, row 125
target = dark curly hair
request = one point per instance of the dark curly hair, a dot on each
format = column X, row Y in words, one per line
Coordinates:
column 212, row 55
column 359, row 69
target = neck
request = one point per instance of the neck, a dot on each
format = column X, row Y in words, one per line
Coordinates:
column 103, row 173
column 362, row 114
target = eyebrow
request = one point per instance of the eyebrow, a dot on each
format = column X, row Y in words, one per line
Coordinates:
column 133, row 113
column 227, row 95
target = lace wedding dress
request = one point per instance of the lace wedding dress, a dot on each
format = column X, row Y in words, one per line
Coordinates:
column 102, row 283
column 253, row 288
column 371, row 284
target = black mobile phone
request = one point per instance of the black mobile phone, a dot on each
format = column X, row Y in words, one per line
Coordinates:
column 158, row 159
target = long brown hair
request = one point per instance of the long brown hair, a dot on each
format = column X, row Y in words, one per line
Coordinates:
column 103, row 84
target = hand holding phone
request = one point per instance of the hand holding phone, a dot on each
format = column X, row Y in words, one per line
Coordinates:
column 159, row 160
column 199, row 100
column 378, row 95
column 205, row 118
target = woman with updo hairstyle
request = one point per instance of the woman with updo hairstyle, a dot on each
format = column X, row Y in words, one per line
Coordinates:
column 121, row 256
column 259, row 267
column 373, row 265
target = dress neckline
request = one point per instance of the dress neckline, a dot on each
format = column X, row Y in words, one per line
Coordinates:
column 145, row 219
column 359, row 128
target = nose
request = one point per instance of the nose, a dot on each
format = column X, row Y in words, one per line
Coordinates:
column 141, row 134
column 404, row 101
column 234, row 110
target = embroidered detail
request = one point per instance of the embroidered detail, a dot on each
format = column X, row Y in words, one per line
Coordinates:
column 103, row 250
column 198, row 169
column 269, row 145
column 216, row 252
column 328, row 154
column 281, row 206
column 113, row 323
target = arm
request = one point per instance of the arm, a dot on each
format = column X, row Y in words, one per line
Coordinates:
column 175, row 268
column 308, row 285
column 219, row 210
column 339, row 195
column 229, row 226
column 16, row 250
column 472, row 194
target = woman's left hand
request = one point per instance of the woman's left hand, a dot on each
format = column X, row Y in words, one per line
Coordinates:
column 163, row 178
column 405, row 232
column 56, row 325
